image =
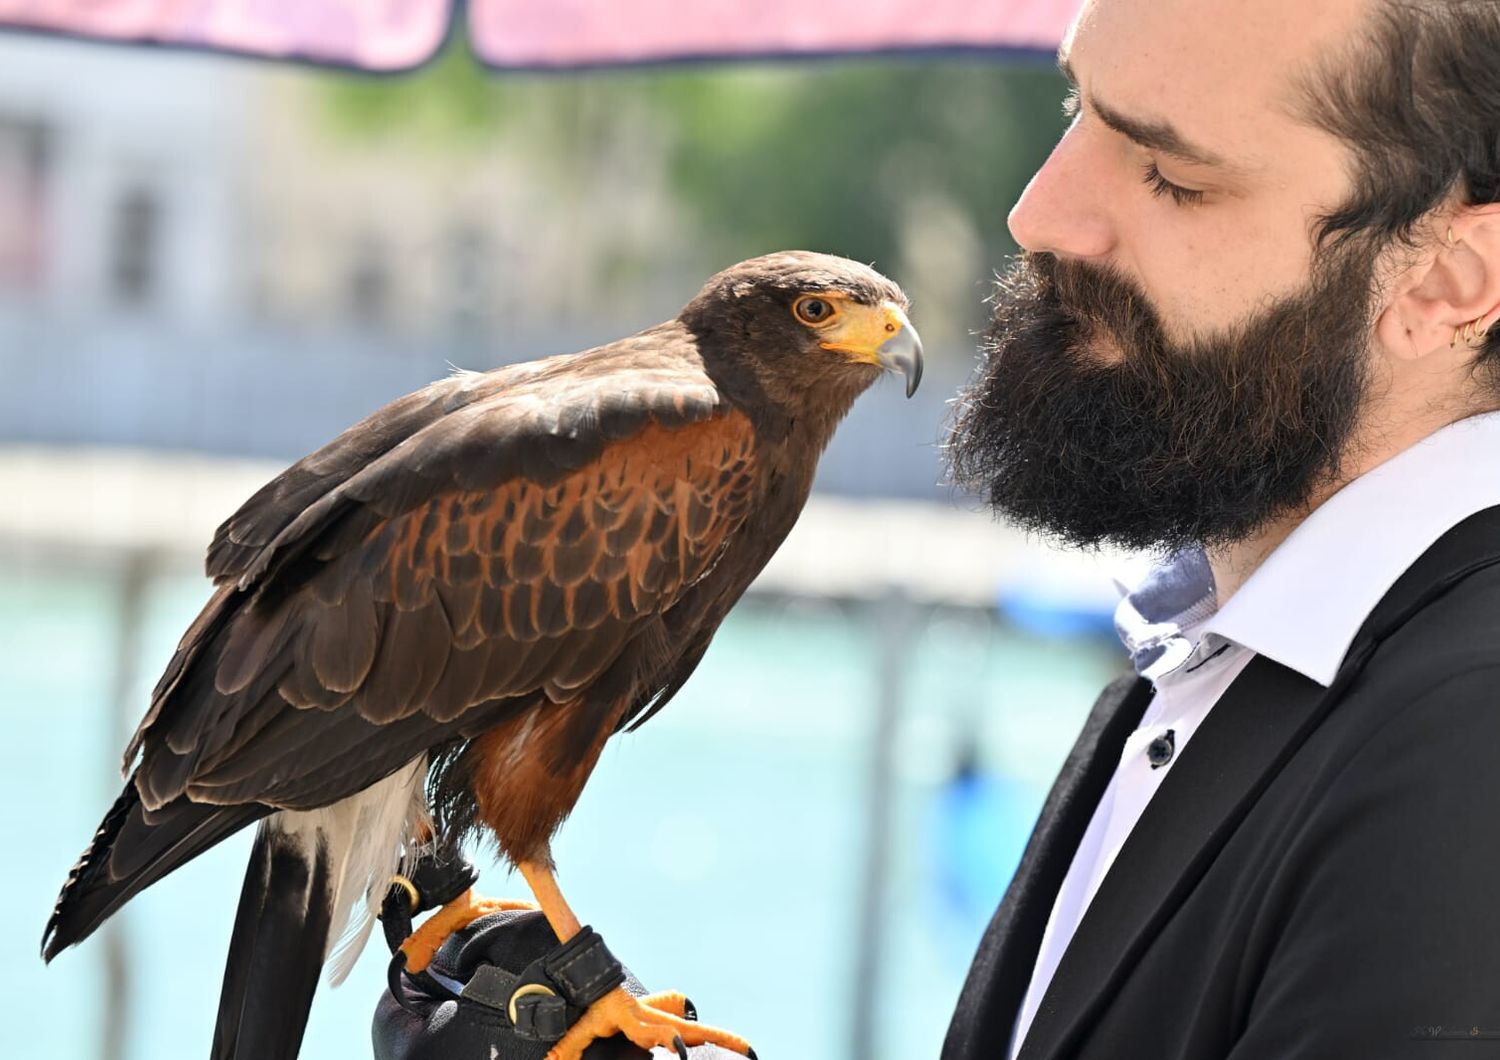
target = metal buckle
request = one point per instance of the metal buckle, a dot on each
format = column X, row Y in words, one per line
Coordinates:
column 525, row 991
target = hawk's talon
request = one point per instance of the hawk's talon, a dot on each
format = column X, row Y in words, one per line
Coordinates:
column 649, row 1028
column 671, row 1001
column 393, row 982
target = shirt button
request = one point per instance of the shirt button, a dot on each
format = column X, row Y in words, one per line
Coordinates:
column 1159, row 751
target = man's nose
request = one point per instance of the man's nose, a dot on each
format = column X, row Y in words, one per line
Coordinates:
column 1063, row 209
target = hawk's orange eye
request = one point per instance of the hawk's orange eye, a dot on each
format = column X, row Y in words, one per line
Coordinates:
column 810, row 309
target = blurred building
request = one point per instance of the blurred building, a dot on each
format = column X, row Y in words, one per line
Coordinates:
column 187, row 262
column 119, row 185
column 459, row 238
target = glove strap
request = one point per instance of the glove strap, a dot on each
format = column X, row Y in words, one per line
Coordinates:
column 438, row 877
column 552, row 991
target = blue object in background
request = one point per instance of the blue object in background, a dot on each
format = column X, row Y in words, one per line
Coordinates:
column 1039, row 608
column 981, row 821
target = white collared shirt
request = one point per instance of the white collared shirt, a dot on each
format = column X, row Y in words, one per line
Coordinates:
column 1301, row 607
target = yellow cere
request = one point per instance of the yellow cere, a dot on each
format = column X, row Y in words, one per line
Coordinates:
column 862, row 330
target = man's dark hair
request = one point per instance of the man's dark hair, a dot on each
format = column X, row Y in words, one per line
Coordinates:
column 1417, row 98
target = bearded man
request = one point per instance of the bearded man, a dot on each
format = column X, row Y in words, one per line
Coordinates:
column 1248, row 332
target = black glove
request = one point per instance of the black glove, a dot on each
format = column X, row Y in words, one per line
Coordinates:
column 457, row 1008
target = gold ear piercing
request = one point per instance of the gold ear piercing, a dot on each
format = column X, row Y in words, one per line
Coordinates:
column 1470, row 332
column 1450, row 237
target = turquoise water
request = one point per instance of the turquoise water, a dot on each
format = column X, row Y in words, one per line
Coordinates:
column 725, row 836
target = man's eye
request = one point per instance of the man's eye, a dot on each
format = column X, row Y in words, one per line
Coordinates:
column 1160, row 185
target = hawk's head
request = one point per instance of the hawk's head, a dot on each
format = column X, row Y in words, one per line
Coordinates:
column 805, row 321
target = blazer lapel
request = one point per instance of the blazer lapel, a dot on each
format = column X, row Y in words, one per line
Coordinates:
column 1262, row 718
column 1201, row 799
column 998, row 979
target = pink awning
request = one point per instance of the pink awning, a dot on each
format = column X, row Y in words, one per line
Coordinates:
column 392, row 35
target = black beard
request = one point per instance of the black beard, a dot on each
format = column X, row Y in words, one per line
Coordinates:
column 1151, row 444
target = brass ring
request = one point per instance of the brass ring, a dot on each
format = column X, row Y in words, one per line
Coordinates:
column 523, row 991
column 413, row 895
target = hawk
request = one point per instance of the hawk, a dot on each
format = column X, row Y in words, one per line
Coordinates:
column 455, row 603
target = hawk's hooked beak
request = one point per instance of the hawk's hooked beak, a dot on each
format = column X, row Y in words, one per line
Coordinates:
column 880, row 335
column 902, row 352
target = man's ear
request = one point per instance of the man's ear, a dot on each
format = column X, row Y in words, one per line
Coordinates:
column 1446, row 288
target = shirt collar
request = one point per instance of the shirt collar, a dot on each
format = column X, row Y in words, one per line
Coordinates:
column 1303, row 605
column 1153, row 616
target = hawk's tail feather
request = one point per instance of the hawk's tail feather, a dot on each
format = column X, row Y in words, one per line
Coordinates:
column 132, row 849
column 281, row 934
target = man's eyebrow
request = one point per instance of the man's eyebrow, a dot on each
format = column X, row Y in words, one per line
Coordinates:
column 1160, row 136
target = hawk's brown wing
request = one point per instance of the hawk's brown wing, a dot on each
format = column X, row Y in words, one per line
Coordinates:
column 491, row 544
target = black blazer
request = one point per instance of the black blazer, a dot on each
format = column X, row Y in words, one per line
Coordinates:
column 1318, row 875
